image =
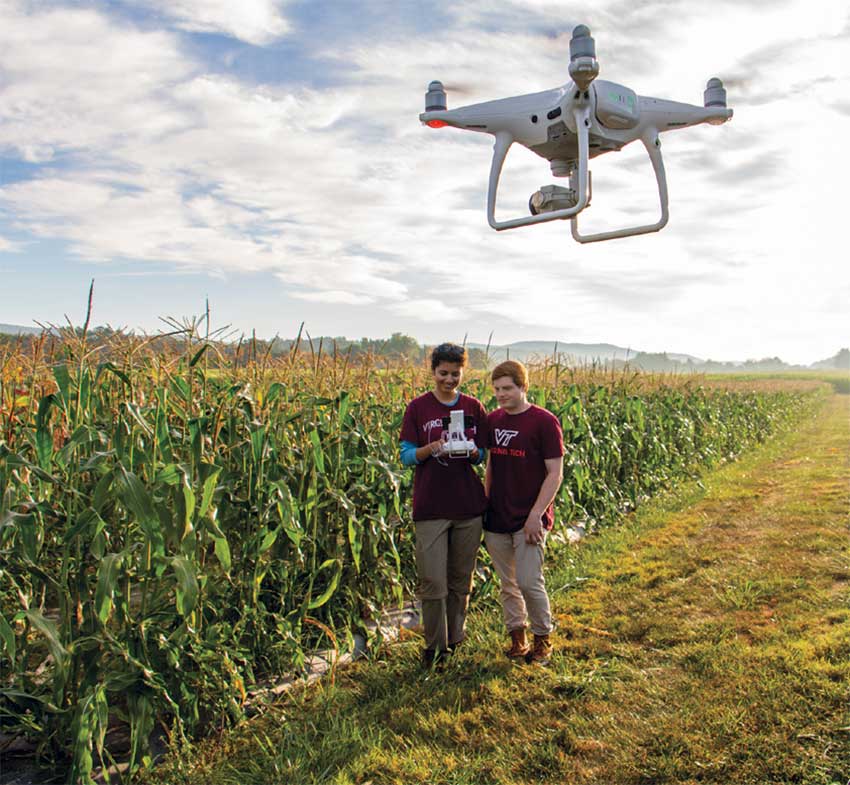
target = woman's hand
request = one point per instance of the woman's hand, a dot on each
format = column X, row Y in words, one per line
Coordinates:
column 437, row 447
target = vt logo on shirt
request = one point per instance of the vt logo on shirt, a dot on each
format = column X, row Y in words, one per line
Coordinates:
column 503, row 437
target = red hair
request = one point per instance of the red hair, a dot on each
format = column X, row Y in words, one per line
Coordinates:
column 515, row 370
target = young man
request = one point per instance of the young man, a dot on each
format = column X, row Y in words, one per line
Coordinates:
column 524, row 472
column 448, row 501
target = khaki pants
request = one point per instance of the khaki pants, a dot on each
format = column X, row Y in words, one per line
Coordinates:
column 520, row 569
column 445, row 558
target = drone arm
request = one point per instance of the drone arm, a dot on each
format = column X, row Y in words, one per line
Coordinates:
column 504, row 140
column 653, row 147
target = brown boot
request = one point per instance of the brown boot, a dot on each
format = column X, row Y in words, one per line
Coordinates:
column 519, row 645
column 542, row 651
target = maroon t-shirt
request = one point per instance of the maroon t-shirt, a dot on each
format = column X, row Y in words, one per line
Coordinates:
column 445, row 487
column 519, row 444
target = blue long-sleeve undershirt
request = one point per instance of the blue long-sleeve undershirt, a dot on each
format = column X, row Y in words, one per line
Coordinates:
column 408, row 453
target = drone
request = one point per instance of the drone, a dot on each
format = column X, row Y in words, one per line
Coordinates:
column 568, row 126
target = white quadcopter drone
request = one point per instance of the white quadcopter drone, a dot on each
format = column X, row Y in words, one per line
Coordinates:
column 571, row 124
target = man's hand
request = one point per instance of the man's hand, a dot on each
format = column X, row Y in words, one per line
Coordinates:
column 473, row 456
column 533, row 528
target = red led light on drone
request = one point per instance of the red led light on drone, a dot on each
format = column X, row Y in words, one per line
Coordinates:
column 436, row 123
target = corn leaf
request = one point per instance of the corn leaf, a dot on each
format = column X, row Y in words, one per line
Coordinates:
column 222, row 552
column 107, row 582
column 51, row 636
column 208, row 491
column 318, row 454
column 332, row 585
column 187, row 585
column 7, row 637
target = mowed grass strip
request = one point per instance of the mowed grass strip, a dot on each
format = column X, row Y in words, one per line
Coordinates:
column 705, row 640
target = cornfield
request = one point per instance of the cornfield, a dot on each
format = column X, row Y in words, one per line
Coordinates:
column 177, row 526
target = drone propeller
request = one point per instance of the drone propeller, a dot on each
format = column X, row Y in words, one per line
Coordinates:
column 584, row 68
column 459, row 88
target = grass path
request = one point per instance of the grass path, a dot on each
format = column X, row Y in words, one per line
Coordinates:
column 705, row 640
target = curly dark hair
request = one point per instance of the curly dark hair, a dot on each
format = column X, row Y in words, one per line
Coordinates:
column 448, row 353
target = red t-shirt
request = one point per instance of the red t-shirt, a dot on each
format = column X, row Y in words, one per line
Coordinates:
column 519, row 444
column 445, row 487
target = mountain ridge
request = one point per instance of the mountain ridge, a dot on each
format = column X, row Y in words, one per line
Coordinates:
column 602, row 352
column 18, row 329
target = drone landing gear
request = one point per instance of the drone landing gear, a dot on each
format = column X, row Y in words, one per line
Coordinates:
column 553, row 202
column 504, row 140
column 653, row 146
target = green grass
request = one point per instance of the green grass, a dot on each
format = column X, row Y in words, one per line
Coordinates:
column 707, row 639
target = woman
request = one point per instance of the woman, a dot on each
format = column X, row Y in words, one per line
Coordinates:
column 448, row 501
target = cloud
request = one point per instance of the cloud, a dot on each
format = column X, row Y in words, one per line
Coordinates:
column 61, row 93
column 754, row 172
column 257, row 22
column 171, row 164
column 806, row 62
column 333, row 296
column 364, row 278
column 145, row 273
column 7, row 246
column 644, row 291
column 429, row 310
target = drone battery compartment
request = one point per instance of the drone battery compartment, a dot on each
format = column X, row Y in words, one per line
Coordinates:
column 616, row 106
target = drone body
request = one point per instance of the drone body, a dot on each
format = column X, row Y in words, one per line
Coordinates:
column 568, row 126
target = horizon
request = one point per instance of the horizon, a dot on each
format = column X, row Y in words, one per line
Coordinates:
column 308, row 337
column 268, row 156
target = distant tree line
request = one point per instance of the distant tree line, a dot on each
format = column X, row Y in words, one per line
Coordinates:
column 242, row 349
column 397, row 348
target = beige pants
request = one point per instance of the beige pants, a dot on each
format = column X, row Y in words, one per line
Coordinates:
column 445, row 559
column 520, row 569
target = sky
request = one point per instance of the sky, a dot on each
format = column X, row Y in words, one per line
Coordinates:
column 267, row 156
